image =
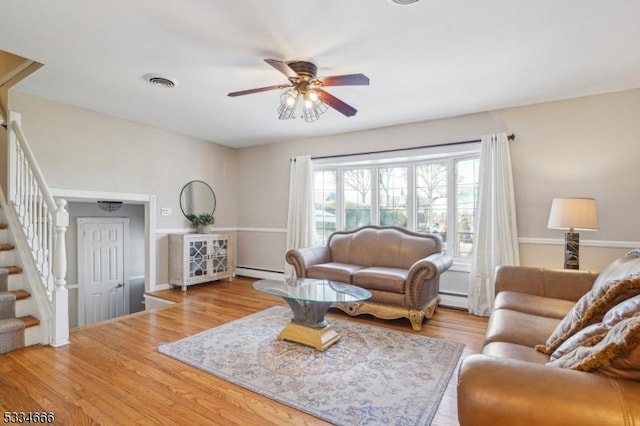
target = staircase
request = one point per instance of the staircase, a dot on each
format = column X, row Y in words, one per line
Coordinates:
column 18, row 325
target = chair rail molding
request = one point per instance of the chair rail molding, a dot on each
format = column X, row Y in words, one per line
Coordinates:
column 583, row 243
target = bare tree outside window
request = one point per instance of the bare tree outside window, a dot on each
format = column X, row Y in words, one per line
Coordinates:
column 392, row 196
column 357, row 198
column 431, row 194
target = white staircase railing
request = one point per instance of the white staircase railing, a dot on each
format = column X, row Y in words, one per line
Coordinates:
column 43, row 222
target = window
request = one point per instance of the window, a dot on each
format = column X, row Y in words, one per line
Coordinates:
column 324, row 184
column 392, row 196
column 357, row 198
column 436, row 195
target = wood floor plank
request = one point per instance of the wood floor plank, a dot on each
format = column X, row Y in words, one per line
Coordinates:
column 112, row 373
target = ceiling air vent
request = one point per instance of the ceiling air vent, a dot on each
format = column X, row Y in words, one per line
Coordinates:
column 160, row 80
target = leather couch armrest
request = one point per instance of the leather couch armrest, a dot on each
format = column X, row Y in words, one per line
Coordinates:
column 423, row 278
column 303, row 258
column 555, row 283
column 500, row 391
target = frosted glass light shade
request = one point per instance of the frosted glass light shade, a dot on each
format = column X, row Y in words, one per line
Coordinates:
column 573, row 213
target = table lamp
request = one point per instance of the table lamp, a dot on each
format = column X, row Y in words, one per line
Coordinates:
column 573, row 214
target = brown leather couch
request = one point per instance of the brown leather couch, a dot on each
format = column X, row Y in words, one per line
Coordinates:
column 509, row 383
column 400, row 268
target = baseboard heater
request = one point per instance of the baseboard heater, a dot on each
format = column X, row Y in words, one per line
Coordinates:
column 262, row 273
column 452, row 299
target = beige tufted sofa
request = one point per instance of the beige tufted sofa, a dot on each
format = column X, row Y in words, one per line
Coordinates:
column 400, row 268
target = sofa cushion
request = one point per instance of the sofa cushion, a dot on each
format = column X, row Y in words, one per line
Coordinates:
column 374, row 246
column 514, row 351
column 593, row 333
column 334, row 271
column 533, row 304
column 616, row 355
column 520, row 328
column 380, row 278
column 612, row 286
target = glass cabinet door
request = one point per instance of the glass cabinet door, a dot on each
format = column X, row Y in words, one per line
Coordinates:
column 219, row 256
column 198, row 258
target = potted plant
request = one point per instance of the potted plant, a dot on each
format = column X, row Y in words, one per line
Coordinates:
column 201, row 220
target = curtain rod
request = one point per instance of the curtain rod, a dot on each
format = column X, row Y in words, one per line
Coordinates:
column 509, row 137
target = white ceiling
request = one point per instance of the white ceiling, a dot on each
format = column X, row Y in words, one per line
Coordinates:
column 432, row 59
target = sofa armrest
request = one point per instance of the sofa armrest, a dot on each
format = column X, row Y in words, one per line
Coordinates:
column 500, row 391
column 423, row 278
column 555, row 283
column 303, row 258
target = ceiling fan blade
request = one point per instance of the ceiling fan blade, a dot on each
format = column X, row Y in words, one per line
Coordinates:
column 337, row 104
column 282, row 67
column 261, row 89
column 345, row 80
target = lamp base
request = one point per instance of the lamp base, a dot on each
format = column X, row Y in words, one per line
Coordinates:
column 571, row 250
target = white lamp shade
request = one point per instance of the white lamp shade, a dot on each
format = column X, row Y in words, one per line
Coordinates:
column 573, row 213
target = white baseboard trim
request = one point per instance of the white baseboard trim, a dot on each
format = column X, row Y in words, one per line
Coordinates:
column 165, row 286
column 583, row 243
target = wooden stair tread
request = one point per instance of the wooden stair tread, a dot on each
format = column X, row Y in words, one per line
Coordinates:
column 3, row 226
column 13, row 269
column 29, row 321
column 21, row 294
column 6, row 247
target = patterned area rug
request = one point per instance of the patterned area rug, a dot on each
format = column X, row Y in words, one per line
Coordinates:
column 372, row 376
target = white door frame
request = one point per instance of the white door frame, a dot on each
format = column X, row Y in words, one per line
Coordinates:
column 149, row 202
column 126, row 259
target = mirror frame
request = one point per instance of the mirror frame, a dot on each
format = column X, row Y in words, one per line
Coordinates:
column 213, row 194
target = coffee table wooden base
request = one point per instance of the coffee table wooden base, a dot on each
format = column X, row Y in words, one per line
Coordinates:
column 318, row 338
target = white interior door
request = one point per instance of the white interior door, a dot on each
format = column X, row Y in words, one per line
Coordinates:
column 103, row 263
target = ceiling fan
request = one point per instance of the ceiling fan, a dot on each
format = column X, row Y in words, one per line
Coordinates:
column 304, row 87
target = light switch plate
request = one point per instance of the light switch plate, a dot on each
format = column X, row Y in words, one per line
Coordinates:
column 165, row 211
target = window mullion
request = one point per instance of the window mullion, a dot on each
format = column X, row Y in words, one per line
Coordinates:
column 375, row 217
column 452, row 191
column 411, row 197
column 339, row 198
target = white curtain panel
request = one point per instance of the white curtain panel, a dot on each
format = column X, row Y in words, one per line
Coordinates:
column 496, row 234
column 300, row 226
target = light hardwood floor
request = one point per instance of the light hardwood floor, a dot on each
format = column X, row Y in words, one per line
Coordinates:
column 111, row 372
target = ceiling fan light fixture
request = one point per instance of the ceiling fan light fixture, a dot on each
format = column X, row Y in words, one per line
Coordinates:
column 312, row 95
column 288, row 104
column 404, row 2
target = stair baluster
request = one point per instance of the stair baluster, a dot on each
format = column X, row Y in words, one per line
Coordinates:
column 44, row 222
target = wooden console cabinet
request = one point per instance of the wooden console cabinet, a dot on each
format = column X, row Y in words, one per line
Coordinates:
column 199, row 258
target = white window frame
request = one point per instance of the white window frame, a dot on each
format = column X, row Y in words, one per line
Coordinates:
column 375, row 164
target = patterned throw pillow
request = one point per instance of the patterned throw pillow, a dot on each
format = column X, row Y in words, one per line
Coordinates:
column 594, row 333
column 617, row 355
column 590, row 309
column 610, row 288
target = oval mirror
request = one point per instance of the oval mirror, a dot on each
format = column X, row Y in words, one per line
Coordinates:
column 197, row 197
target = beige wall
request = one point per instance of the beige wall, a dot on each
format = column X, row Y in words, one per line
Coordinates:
column 582, row 147
column 82, row 150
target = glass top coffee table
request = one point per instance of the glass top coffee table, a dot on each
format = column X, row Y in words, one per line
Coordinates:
column 310, row 299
